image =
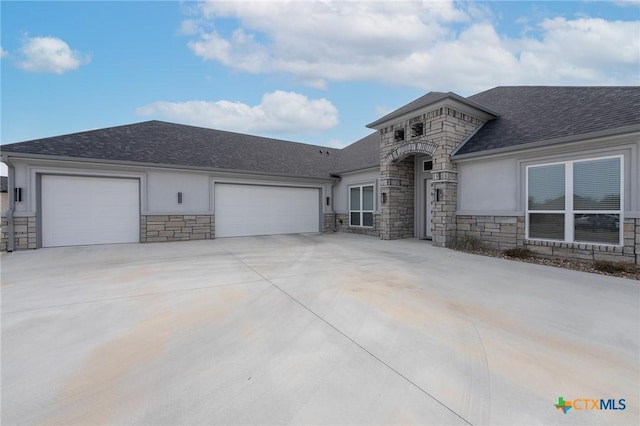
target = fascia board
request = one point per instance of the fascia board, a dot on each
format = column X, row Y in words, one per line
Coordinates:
column 231, row 172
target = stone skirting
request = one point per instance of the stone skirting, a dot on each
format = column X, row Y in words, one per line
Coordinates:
column 25, row 232
column 494, row 232
column 342, row 225
column 155, row 228
column 504, row 232
column 328, row 220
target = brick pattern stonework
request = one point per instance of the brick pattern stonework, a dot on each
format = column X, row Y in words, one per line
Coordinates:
column 504, row 232
column 176, row 227
column 25, row 232
column 444, row 129
column 494, row 232
column 328, row 220
column 342, row 225
column 399, row 189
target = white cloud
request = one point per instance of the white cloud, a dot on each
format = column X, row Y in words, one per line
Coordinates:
column 49, row 55
column 278, row 112
column 337, row 143
column 441, row 45
column 3, row 53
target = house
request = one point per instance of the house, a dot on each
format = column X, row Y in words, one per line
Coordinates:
column 553, row 169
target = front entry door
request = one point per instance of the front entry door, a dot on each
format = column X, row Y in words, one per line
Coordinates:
column 428, row 197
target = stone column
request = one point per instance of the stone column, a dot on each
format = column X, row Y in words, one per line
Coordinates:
column 397, row 188
column 445, row 188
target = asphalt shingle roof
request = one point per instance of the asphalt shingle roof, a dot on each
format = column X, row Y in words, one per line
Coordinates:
column 363, row 154
column 525, row 114
column 159, row 142
column 539, row 113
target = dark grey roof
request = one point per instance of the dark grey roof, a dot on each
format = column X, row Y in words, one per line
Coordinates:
column 362, row 154
column 429, row 98
column 159, row 142
column 3, row 183
column 539, row 113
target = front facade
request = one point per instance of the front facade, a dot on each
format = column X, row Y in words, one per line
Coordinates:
column 555, row 170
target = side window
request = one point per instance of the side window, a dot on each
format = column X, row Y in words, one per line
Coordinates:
column 576, row 201
column 361, row 205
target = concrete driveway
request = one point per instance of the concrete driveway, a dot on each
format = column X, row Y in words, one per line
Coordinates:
column 310, row 329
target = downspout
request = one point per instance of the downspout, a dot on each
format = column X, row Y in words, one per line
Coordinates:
column 11, row 184
column 333, row 209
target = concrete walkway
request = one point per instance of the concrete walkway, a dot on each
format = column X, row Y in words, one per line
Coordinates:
column 310, row 329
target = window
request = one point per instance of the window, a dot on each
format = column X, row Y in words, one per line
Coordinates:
column 576, row 201
column 398, row 135
column 361, row 205
column 427, row 165
column 417, row 130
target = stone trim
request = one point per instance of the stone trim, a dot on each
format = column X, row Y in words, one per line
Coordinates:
column 504, row 232
column 25, row 232
column 411, row 148
column 444, row 176
column 154, row 228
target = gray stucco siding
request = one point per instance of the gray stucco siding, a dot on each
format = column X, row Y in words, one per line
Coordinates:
column 488, row 185
column 497, row 185
column 341, row 189
column 162, row 189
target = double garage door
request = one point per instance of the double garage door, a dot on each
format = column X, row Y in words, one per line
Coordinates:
column 243, row 210
column 94, row 210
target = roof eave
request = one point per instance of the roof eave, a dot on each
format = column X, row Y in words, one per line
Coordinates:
column 359, row 169
column 618, row 131
column 88, row 160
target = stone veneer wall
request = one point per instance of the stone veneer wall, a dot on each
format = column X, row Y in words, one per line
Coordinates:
column 342, row 225
column 495, row 232
column 328, row 222
column 444, row 129
column 398, row 212
column 503, row 232
column 176, row 227
column 25, row 231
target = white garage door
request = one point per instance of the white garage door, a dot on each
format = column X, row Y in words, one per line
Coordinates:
column 88, row 210
column 242, row 210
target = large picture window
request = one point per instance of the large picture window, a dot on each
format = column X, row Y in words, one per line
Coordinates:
column 361, row 205
column 576, row 201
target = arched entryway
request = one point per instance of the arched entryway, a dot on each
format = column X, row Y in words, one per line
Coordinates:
column 406, row 191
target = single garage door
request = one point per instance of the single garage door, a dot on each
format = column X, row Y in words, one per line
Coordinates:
column 242, row 210
column 89, row 210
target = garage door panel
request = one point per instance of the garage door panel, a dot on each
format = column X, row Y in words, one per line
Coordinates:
column 89, row 210
column 243, row 210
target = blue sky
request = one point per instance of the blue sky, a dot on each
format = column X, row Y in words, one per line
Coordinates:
column 313, row 72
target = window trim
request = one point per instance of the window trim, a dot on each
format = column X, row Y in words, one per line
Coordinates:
column 569, row 212
column 362, row 210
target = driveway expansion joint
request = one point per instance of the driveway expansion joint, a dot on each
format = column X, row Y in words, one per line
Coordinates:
column 408, row 380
